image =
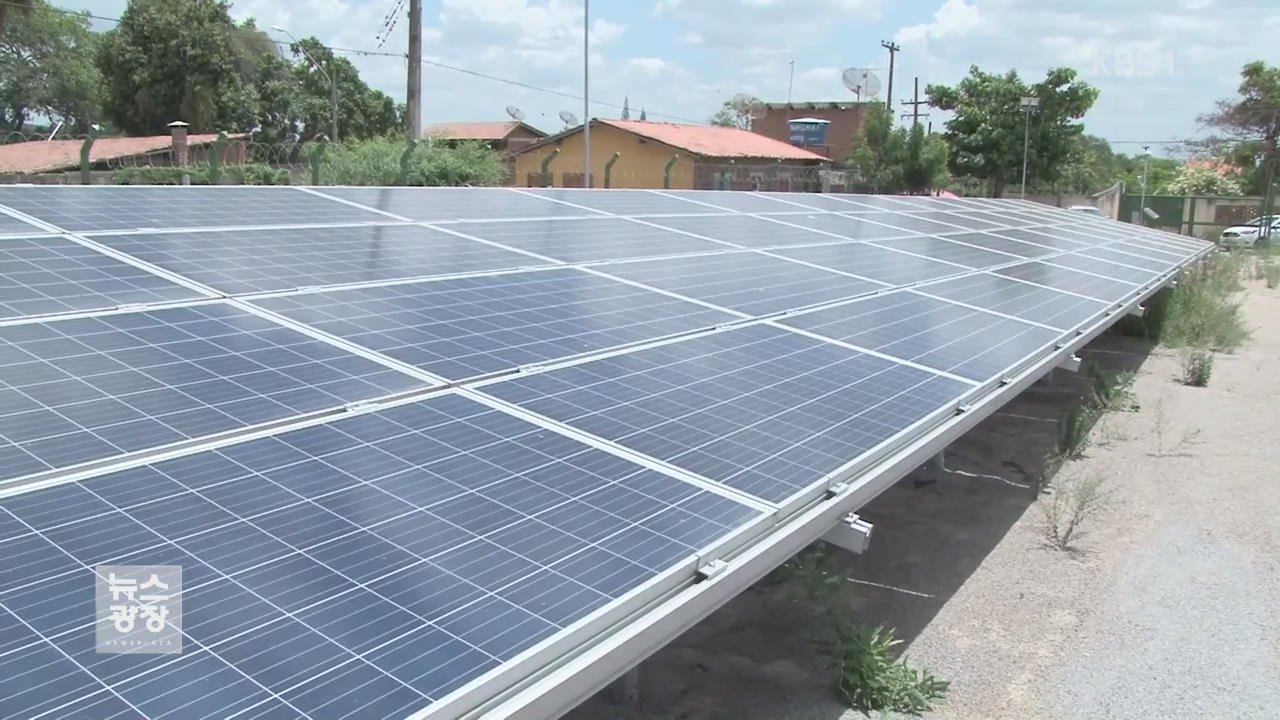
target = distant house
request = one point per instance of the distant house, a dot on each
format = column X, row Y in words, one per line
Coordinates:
column 39, row 157
column 505, row 137
column 843, row 122
column 688, row 156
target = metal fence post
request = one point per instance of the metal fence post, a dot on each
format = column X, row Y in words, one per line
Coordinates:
column 86, row 178
column 215, row 159
column 608, row 168
column 724, row 175
column 546, row 167
column 404, row 162
column 666, row 172
column 317, row 157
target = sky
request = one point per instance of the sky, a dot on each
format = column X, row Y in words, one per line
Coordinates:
column 1159, row 64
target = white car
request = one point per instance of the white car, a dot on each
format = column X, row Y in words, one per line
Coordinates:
column 1248, row 234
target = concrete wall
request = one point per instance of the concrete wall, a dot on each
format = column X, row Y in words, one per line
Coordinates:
column 640, row 165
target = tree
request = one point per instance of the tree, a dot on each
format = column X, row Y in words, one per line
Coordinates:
column 888, row 160
column 735, row 112
column 9, row 8
column 626, row 108
column 362, row 111
column 179, row 60
column 643, row 115
column 1253, row 120
column 47, row 69
column 1200, row 179
column 985, row 134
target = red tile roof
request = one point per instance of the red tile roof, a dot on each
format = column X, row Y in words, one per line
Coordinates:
column 715, row 141
column 37, row 156
column 473, row 130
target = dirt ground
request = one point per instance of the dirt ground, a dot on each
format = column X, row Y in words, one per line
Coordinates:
column 1168, row 608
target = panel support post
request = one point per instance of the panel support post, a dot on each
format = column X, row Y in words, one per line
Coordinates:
column 626, row 689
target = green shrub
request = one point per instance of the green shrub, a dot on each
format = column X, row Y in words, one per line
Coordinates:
column 252, row 174
column 1073, row 430
column 377, row 162
column 1203, row 310
column 1112, row 390
column 872, row 680
column 1197, row 366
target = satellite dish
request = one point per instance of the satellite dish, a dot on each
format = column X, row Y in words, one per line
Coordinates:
column 516, row 113
column 862, row 81
column 568, row 118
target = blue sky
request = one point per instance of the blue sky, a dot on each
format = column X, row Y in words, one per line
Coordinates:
column 1158, row 63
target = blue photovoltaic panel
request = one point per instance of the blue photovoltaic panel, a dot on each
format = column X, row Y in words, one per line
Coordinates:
column 250, row 261
column 736, row 200
column 875, row 262
column 972, row 221
column 1089, row 262
column 466, row 327
column 885, row 202
column 624, row 202
column 1130, row 257
column 587, row 240
column 942, row 335
column 915, row 223
column 438, row 204
column 761, row 409
column 1070, row 280
column 746, row 230
column 362, row 568
column 818, row 201
column 53, row 274
column 77, row 390
column 1019, row 299
column 1155, row 251
column 1041, row 236
column 947, row 251
column 1002, row 244
column 10, row 225
column 747, row 282
column 847, row 227
column 107, row 207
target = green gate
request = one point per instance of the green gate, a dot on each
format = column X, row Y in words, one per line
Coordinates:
column 1168, row 207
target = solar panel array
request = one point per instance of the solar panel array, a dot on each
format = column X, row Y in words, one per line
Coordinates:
column 405, row 442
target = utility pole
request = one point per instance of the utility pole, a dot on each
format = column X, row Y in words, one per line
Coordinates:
column 915, row 102
column 1028, row 105
column 791, row 81
column 893, row 49
column 586, row 93
column 1146, row 166
column 413, row 97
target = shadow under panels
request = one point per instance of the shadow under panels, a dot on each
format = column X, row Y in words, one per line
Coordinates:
column 587, row 240
column 748, row 282
column 1081, row 283
column 238, row 262
column 453, row 203
column 1018, row 299
column 872, row 261
column 367, row 567
column 103, row 208
column 83, row 389
column 978, row 345
column 759, row 408
column 467, row 327
column 52, row 274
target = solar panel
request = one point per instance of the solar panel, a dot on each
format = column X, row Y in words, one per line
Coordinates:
column 1041, row 236
column 398, row 555
column 437, row 204
column 874, row 262
column 467, row 327
column 1152, row 250
column 748, row 282
column 736, row 201
column 625, row 202
column 80, row 208
column 251, row 261
column 745, row 230
column 53, row 274
column 1019, row 299
column 823, row 201
column 972, row 221
column 84, row 389
column 848, row 227
column 1138, row 257
column 952, row 338
column 947, row 251
column 916, row 223
column 1059, row 278
column 1093, row 264
column 882, row 202
column 10, row 225
column 758, row 408
column 587, row 240
column 1002, row 244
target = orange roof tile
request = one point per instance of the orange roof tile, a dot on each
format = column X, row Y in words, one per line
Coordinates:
column 715, row 141
column 37, row 156
column 472, row 130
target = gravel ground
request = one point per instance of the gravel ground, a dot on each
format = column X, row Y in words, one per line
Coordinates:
column 1166, row 608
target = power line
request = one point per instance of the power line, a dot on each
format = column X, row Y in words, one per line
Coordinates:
column 403, row 56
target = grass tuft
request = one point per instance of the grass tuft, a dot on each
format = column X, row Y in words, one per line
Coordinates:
column 873, row 680
column 1197, row 366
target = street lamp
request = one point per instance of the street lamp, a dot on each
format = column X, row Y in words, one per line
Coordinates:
column 333, row 84
column 1028, row 104
column 1146, row 165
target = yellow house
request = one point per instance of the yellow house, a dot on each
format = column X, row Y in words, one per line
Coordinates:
column 642, row 154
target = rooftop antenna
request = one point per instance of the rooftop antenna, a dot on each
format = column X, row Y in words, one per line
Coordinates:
column 516, row 113
column 863, row 82
column 568, row 118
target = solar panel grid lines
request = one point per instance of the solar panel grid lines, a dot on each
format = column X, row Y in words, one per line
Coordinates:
column 443, row 204
column 996, row 243
column 957, row 253
column 1092, row 264
column 587, row 240
column 622, row 201
column 54, row 274
column 333, row 198
column 880, row 262
column 842, row 226
column 12, row 223
column 1017, row 298
column 454, row 621
column 80, row 390
column 737, row 201
column 865, row 349
column 1067, row 280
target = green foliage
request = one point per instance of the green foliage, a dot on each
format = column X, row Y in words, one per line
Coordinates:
column 1201, row 180
column 377, row 162
column 47, row 69
column 1250, row 120
column 811, row 578
column 1073, row 430
column 1111, row 390
column 1073, row 501
column 872, row 679
column 363, row 112
column 1197, row 366
column 735, row 112
column 885, row 159
column 251, row 174
column 1203, row 311
column 985, row 133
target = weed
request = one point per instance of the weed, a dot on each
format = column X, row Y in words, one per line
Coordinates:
column 873, row 680
column 1109, row 434
column 1073, row 430
column 1112, row 391
column 1197, row 366
column 1074, row 500
column 1202, row 309
column 1271, row 273
column 1161, row 430
column 811, row 578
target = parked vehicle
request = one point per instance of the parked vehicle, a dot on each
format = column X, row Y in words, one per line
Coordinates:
column 1249, row 234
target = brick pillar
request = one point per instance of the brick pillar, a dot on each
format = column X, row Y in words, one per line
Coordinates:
column 178, row 131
